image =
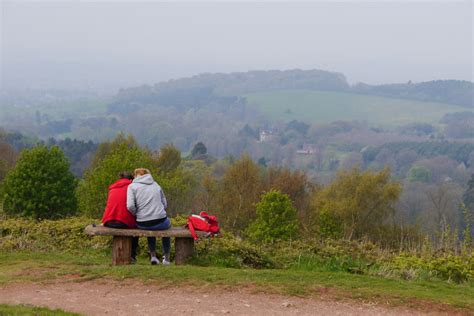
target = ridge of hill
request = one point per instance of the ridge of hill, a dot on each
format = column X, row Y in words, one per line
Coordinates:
column 456, row 92
column 223, row 88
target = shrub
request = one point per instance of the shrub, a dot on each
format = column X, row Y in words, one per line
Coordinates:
column 276, row 218
column 445, row 266
column 68, row 235
column 49, row 235
column 41, row 185
column 329, row 226
column 231, row 252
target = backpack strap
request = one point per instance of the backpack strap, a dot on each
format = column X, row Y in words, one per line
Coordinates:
column 191, row 229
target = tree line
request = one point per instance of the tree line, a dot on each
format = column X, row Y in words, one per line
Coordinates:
column 251, row 200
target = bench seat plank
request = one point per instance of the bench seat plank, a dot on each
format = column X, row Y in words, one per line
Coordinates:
column 180, row 232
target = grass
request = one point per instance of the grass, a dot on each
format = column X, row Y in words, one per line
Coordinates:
column 326, row 106
column 56, row 111
column 45, row 267
column 20, row 310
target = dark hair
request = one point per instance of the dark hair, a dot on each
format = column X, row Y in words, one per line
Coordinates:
column 125, row 175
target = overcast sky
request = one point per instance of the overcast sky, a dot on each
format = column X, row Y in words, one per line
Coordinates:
column 110, row 44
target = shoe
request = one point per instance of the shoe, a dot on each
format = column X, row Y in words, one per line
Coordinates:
column 166, row 261
column 154, row 260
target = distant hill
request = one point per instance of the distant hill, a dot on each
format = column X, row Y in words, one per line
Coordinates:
column 445, row 91
column 221, row 88
column 226, row 89
column 329, row 106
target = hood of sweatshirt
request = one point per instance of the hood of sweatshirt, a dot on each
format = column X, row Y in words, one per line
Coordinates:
column 120, row 184
column 145, row 179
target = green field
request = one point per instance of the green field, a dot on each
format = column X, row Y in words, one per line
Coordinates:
column 325, row 107
column 55, row 111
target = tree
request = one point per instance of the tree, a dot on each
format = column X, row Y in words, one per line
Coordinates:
column 199, row 151
column 123, row 153
column 443, row 209
column 358, row 202
column 8, row 157
column 468, row 197
column 293, row 183
column 239, row 190
column 169, row 159
column 276, row 218
column 352, row 160
column 419, row 174
column 41, row 185
column 103, row 149
column 467, row 209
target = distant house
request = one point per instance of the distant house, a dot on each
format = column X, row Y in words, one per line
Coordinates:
column 265, row 136
column 308, row 149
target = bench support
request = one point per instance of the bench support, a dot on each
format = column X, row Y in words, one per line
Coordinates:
column 184, row 249
column 121, row 250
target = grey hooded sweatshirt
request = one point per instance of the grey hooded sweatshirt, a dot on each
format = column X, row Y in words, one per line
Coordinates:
column 145, row 199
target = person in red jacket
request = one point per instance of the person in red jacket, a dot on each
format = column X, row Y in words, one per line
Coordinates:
column 116, row 214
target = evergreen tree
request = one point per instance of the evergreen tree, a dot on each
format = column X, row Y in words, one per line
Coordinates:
column 199, row 151
column 40, row 185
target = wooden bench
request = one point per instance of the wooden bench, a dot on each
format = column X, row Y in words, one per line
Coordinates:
column 122, row 241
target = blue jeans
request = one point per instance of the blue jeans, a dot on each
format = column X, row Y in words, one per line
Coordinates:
column 165, row 241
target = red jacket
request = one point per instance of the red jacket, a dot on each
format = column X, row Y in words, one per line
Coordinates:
column 116, row 209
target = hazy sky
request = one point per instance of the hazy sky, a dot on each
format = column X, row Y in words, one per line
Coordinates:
column 112, row 44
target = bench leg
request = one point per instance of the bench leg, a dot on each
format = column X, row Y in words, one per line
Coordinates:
column 184, row 249
column 121, row 250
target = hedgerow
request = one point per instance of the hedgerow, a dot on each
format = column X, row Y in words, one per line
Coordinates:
column 230, row 251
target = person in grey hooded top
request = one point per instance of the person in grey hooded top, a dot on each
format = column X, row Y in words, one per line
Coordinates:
column 146, row 200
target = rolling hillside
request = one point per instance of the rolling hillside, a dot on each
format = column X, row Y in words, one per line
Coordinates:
column 328, row 106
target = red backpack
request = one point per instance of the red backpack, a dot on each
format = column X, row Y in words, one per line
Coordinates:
column 203, row 222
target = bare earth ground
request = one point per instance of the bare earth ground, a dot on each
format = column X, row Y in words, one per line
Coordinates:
column 108, row 297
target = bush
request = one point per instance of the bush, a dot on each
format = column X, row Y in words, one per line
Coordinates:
column 231, row 252
column 276, row 218
column 68, row 235
column 49, row 235
column 41, row 185
column 445, row 266
column 331, row 255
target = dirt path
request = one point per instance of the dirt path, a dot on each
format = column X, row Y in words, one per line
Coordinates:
column 107, row 297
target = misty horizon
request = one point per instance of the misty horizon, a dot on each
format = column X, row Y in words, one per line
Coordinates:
column 104, row 46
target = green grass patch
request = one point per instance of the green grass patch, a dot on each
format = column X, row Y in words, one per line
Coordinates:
column 326, row 106
column 45, row 267
column 58, row 111
column 27, row 310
